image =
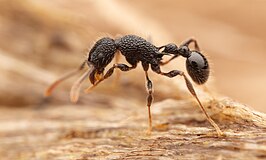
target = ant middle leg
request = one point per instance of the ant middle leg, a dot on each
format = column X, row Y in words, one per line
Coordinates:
column 122, row 67
column 150, row 95
column 189, row 85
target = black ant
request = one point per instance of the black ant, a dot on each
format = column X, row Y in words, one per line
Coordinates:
column 136, row 49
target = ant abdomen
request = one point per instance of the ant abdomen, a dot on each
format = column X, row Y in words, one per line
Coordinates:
column 198, row 67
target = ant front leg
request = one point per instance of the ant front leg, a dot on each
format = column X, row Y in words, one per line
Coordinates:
column 122, row 67
column 117, row 74
column 174, row 73
column 149, row 97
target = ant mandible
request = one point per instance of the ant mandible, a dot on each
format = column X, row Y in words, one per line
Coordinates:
column 136, row 49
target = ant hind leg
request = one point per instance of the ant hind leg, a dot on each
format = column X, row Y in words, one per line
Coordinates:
column 189, row 85
column 189, row 41
column 169, row 60
column 185, row 43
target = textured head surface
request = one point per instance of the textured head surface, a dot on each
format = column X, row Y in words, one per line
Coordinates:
column 102, row 53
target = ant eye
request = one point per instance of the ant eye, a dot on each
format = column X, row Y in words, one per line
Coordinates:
column 198, row 67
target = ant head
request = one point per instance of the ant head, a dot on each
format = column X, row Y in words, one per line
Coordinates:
column 197, row 67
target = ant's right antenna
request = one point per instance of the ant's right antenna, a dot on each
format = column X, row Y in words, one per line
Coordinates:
column 75, row 89
column 50, row 89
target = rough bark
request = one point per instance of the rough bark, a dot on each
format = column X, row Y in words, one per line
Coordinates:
column 115, row 129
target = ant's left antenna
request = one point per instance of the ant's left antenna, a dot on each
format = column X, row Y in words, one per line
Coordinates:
column 75, row 89
column 50, row 89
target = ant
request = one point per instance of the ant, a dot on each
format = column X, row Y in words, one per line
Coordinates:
column 136, row 49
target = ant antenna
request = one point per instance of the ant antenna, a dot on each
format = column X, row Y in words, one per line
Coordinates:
column 75, row 89
column 50, row 89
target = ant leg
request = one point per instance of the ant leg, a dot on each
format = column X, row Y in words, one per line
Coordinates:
column 191, row 40
column 185, row 43
column 117, row 73
column 122, row 67
column 149, row 100
column 150, row 96
column 192, row 91
column 166, row 62
column 50, row 89
column 174, row 73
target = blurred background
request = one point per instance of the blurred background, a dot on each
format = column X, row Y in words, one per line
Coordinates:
column 40, row 40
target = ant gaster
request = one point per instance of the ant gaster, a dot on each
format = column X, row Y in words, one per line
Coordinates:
column 136, row 49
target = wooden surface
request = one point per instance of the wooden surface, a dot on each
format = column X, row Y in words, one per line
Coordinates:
column 115, row 129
